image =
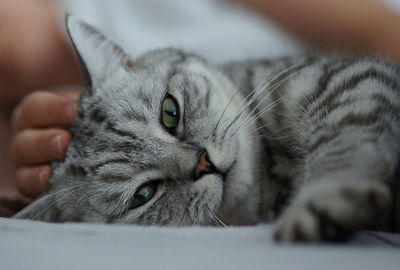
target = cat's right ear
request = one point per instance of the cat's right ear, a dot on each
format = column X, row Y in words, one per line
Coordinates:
column 100, row 57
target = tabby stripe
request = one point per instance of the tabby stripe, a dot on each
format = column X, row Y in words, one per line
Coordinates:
column 357, row 119
column 323, row 140
column 279, row 104
column 208, row 89
column 336, row 132
column 111, row 176
column 340, row 152
column 248, row 82
column 275, row 93
column 278, row 93
column 335, row 165
column 208, row 94
column 75, row 170
column 324, row 81
column 97, row 115
column 122, row 133
column 353, row 119
column 354, row 81
column 145, row 99
column 186, row 108
column 388, row 104
column 95, row 167
column 331, row 108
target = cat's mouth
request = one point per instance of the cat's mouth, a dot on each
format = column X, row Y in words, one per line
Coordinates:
column 226, row 172
column 223, row 174
column 207, row 167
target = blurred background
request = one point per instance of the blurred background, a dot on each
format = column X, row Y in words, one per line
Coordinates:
column 35, row 52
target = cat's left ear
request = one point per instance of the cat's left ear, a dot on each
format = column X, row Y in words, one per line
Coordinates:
column 100, row 56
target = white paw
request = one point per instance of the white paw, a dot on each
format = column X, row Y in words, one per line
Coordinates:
column 332, row 212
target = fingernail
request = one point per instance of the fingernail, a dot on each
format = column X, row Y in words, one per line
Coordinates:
column 70, row 112
column 56, row 146
column 43, row 178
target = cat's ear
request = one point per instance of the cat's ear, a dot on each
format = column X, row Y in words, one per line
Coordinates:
column 99, row 56
column 41, row 209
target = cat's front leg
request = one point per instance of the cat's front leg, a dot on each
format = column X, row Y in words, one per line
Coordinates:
column 333, row 209
column 338, row 195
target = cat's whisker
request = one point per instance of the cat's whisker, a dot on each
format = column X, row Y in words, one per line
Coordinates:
column 220, row 221
column 257, row 129
column 256, row 91
column 259, row 89
column 215, row 218
column 259, row 115
column 266, row 81
column 80, row 198
column 74, row 189
column 223, row 112
column 271, row 89
column 270, row 92
column 262, row 112
column 280, row 137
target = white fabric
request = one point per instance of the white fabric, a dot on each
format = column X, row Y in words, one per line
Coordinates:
column 395, row 4
column 215, row 29
column 35, row 245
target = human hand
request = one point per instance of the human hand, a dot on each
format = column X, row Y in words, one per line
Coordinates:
column 39, row 138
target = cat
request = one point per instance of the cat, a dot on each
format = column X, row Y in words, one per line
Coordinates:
column 170, row 139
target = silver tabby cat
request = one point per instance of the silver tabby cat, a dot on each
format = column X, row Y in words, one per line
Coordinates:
column 169, row 139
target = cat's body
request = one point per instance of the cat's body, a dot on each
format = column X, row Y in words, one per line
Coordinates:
column 312, row 141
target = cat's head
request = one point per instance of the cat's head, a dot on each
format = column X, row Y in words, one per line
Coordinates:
column 157, row 140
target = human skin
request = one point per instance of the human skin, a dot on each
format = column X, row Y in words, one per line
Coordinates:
column 361, row 26
column 40, row 137
column 352, row 26
column 34, row 53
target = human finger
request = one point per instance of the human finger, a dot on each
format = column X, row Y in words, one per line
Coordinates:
column 35, row 146
column 32, row 181
column 44, row 109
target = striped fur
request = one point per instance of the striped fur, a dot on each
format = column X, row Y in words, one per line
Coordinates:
column 334, row 142
column 311, row 141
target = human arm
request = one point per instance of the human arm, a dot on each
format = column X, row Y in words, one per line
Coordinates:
column 34, row 53
column 356, row 26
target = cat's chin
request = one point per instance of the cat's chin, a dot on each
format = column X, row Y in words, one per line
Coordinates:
column 211, row 186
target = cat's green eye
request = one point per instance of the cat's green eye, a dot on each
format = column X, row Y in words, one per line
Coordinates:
column 143, row 195
column 170, row 113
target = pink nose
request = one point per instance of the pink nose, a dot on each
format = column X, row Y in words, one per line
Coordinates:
column 204, row 166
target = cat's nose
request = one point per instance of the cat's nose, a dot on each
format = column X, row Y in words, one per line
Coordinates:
column 205, row 166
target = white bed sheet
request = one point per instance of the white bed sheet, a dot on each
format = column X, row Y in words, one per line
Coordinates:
column 36, row 245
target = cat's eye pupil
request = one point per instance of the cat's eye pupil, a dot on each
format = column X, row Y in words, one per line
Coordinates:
column 143, row 195
column 140, row 198
column 145, row 192
column 170, row 113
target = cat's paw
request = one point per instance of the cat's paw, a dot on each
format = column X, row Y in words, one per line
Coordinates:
column 332, row 212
